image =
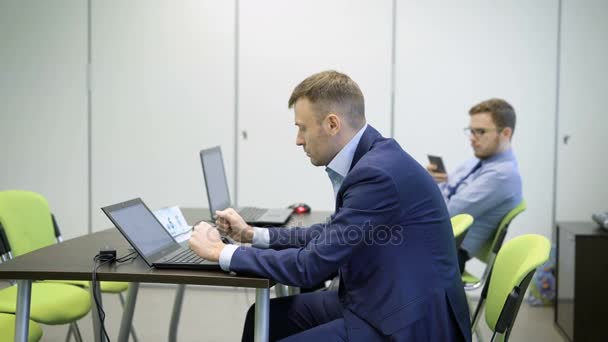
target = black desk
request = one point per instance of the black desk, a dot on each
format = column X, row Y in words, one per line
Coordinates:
column 582, row 281
column 72, row 260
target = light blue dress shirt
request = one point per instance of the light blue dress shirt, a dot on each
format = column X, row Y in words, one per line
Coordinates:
column 487, row 194
column 337, row 169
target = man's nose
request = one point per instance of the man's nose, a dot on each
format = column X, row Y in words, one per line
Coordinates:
column 299, row 141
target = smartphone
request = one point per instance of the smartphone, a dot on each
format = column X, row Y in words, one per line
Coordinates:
column 437, row 161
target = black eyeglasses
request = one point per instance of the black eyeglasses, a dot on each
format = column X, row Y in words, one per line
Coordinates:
column 479, row 132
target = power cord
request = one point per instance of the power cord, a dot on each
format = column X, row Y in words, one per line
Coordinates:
column 103, row 257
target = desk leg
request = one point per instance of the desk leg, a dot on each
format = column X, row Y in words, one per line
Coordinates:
column 177, row 309
column 262, row 315
column 127, row 313
column 24, row 297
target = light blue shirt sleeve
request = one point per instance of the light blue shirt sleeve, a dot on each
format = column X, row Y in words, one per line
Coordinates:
column 261, row 237
column 226, row 257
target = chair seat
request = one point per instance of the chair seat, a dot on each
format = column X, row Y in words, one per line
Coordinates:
column 7, row 329
column 468, row 278
column 51, row 303
column 106, row 286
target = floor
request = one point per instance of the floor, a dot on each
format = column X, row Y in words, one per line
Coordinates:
column 216, row 314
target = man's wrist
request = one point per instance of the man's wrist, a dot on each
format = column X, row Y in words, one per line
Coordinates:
column 249, row 234
column 218, row 251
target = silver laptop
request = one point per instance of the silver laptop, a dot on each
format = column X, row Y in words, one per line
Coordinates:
column 150, row 239
column 219, row 195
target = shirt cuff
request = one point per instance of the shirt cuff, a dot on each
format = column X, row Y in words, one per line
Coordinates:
column 261, row 237
column 226, row 256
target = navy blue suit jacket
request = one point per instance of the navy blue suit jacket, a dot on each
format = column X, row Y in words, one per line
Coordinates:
column 391, row 239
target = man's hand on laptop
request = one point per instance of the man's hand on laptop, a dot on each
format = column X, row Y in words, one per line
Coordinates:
column 230, row 223
column 206, row 242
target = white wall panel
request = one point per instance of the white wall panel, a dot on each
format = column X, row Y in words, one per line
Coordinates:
column 43, row 106
column 582, row 165
column 452, row 55
column 279, row 46
column 163, row 88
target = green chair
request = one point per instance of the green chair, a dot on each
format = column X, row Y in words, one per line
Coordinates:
column 511, row 274
column 26, row 223
column 487, row 253
column 7, row 329
column 460, row 225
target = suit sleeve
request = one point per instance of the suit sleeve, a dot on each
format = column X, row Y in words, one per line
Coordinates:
column 370, row 200
column 281, row 238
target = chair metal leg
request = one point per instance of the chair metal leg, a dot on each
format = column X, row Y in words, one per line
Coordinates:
column 496, row 336
column 68, row 336
column 76, row 330
column 122, row 303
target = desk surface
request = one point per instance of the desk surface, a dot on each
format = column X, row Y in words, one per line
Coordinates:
column 73, row 260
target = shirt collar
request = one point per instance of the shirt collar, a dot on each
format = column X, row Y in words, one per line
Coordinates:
column 341, row 162
column 508, row 154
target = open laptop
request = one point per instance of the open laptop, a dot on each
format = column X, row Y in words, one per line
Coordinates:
column 219, row 195
column 150, row 239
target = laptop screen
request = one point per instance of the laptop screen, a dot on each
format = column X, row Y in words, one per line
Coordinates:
column 142, row 228
column 215, row 179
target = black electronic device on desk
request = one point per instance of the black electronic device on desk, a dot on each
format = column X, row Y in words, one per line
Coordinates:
column 601, row 219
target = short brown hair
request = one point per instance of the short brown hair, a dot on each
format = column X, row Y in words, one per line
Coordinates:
column 332, row 91
column 502, row 112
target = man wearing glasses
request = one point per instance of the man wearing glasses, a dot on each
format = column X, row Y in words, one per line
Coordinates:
column 489, row 185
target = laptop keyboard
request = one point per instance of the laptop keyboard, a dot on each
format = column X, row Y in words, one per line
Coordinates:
column 187, row 256
column 250, row 214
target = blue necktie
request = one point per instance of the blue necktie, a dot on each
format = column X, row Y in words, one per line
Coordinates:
column 452, row 190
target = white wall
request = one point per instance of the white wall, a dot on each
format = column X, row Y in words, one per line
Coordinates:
column 583, row 167
column 43, row 106
column 276, row 52
column 163, row 88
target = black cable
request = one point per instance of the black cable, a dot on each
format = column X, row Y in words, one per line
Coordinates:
column 128, row 257
column 102, row 260
column 98, row 261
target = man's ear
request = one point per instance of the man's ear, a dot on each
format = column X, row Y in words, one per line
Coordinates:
column 507, row 132
column 333, row 123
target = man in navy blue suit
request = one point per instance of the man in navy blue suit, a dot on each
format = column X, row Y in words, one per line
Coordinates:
column 390, row 237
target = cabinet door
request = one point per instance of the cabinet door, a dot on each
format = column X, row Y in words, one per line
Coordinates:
column 163, row 88
column 452, row 55
column 582, row 181
column 279, row 46
column 43, row 105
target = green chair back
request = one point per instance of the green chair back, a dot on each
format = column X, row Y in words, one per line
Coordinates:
column 485, row 252
column 26, row 219
column 513, row 268
column 460, row 223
